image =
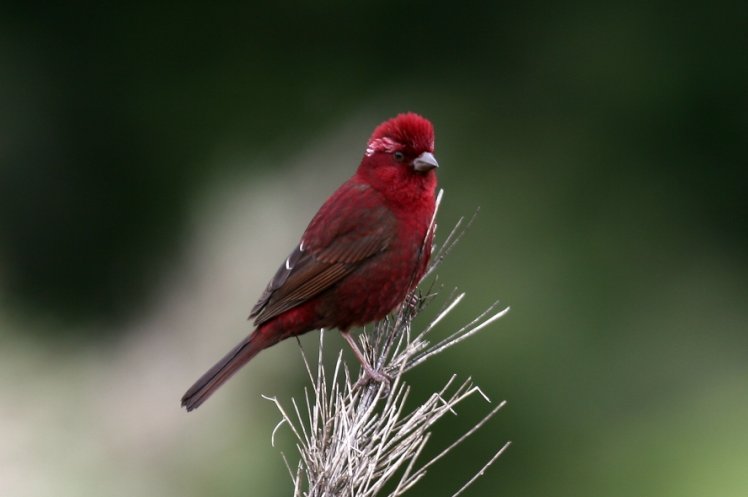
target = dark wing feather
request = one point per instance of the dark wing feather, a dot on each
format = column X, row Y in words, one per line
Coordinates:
column 341, row 236
column 276, row 301
column 277, row 281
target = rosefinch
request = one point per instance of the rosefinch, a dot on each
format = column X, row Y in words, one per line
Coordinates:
column 362, row 253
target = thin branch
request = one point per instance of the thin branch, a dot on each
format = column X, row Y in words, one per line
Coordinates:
column 483, row 469
column 353, row 440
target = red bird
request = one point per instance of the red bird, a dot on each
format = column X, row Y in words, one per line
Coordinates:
column 359, row 257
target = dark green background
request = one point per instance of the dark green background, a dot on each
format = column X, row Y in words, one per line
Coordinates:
column 604, row 142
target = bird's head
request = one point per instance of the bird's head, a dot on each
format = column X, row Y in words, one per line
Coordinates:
column 400, row 154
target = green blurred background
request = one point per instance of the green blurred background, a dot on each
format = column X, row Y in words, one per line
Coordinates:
column 158, row 161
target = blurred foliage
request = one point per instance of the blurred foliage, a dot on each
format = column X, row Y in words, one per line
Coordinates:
column 113, row 111
column 604, row 142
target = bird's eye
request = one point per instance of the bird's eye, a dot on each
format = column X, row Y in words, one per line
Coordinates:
column 399, row 156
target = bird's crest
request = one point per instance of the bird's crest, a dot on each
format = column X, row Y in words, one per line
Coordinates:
column 407, row 130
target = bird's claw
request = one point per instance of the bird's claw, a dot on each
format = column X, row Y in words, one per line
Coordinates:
column 376, row 376
column 413, row 300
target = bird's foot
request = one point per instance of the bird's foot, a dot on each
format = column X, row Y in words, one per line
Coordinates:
column 414, row 300
column 372, row 375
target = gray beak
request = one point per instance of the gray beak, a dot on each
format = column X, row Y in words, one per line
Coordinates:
column 425, row 162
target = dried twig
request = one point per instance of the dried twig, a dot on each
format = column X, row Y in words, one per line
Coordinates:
column 353, row 440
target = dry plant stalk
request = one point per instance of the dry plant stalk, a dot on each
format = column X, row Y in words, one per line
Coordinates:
column 355, row 437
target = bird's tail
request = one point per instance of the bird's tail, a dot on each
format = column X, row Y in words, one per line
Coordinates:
column 222, row 371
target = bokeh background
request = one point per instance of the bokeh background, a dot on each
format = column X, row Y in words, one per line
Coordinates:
column 159, row 160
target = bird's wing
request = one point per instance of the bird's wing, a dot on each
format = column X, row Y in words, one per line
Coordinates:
column 352, row 226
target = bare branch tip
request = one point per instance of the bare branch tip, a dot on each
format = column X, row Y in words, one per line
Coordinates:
column 353, row 437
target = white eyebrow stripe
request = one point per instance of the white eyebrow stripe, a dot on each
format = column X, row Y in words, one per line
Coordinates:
column 384, row 144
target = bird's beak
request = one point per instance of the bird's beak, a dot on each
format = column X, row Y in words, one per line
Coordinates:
column 425, row 162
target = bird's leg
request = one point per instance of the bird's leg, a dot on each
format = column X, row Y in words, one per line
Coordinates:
column 368, row 370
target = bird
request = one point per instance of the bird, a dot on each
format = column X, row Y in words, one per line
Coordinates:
column 363, row 252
